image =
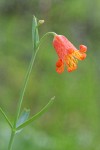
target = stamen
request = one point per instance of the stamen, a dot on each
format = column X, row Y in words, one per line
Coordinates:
column 79, row 55
column 71, row 63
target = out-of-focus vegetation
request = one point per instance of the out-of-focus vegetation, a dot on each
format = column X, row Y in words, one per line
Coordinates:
column 73, row 121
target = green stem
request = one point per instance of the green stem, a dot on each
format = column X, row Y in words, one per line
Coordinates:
column 52, row 33
column 5, row 116
column 21, row 98
column 11, row 139
column 24, row 86
column 27, row 77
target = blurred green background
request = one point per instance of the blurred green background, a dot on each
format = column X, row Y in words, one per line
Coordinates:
column 73, row 121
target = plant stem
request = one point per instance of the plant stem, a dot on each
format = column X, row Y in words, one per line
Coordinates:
column 24, row 86
column 11, row 139
column 52, row 33
column 14, row 129
column 21, row 98
column 27, row 78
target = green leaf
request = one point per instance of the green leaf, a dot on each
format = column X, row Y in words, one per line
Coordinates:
column 5, row 116
column 35, row 35
column 23, row 117
column 42, row 111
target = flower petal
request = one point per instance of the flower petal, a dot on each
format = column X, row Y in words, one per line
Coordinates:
column 59, row 66
column 83, row 48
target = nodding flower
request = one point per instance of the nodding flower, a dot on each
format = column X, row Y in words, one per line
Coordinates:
column 67, row 53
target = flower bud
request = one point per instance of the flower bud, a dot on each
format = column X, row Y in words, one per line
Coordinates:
column 40, row 22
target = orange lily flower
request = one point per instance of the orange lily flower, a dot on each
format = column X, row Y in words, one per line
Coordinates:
column 67, row 53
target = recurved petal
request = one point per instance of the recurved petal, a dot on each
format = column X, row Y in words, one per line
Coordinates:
column 59, row 66
column 83, row 48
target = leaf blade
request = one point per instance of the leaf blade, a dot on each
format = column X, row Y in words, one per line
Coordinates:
column 35, row 34
column 37, row 115
column 23, row 117
column 5, row 116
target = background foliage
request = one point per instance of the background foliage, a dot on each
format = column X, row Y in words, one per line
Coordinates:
column 73, row 120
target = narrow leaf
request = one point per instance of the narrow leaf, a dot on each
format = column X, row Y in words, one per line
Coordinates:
column 35, row 35
column 42, row 111
column 23, row 117
column 5, row 116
